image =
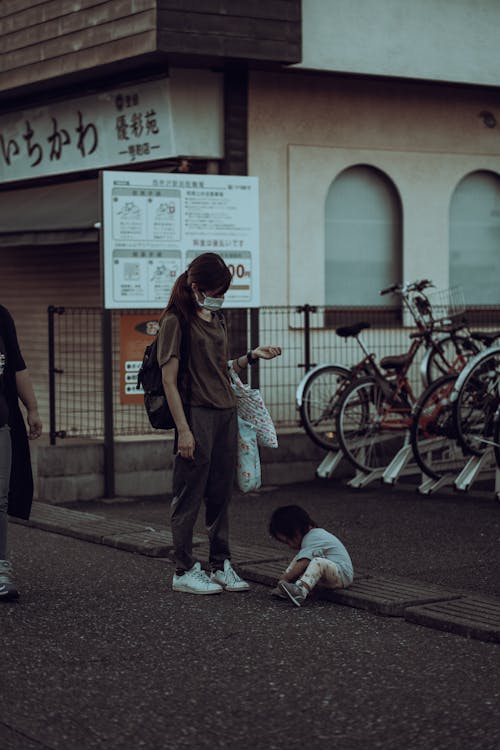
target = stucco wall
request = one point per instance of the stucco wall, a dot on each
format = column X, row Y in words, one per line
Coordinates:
column 443, row 40
column 304, row 129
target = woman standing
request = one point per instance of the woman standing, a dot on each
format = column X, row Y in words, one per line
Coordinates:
column 16, row 483
column 198, row 391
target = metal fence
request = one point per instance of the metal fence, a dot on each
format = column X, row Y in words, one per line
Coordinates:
column 78, row 405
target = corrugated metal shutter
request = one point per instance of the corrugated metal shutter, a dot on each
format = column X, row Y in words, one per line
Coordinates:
column 32, row 278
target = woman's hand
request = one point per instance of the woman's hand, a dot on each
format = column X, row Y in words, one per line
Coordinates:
column 185, row 444
column 266, row 352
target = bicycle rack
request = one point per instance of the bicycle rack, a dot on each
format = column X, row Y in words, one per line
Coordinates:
column 472, row 469
column 403, row 465
column 360, row 479
column 329, row 464
column 399, row 464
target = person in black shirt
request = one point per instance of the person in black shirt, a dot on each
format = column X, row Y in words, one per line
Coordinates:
column 16, row 483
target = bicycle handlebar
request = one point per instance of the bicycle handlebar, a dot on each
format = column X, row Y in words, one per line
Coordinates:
column 417, row 286
column 392, row 288
column 421, row 285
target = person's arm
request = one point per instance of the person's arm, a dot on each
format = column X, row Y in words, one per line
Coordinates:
column 185, row 441
column 295, row 571
column 260, row 352
column 27, row 395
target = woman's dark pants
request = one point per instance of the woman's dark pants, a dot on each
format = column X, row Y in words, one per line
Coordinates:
column 208, row 477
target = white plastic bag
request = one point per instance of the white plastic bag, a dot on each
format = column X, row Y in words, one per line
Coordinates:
column 248, row 471
column 251, row 407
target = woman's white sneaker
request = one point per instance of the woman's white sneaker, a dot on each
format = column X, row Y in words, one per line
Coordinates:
column 229, row 578
column 195, row 581
column 8, row 588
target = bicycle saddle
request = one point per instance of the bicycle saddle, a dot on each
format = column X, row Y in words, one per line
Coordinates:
column 395, row 362
column 346, row 331
column 486, row 337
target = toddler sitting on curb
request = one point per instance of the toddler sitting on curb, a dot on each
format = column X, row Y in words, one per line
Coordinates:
column 320, row 558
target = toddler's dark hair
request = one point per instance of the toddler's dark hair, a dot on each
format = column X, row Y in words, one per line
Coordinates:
column 289, row 519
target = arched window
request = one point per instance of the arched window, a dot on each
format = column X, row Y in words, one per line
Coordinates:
column 475, row 238
column 363, row 238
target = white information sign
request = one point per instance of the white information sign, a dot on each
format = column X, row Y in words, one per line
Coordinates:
column 155, row 224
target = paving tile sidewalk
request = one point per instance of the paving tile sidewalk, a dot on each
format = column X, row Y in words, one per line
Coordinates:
column 425, row 604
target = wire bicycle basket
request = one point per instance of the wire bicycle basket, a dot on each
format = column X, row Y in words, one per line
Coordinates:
column 447, row 304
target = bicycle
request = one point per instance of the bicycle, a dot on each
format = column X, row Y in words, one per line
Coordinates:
column 433, row 433
column 444, row 432
column 446, row 348
column 496, row 441
column 373, row 414
column 475, row 401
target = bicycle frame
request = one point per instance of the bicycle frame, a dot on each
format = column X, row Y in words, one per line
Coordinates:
column 454, row 366
column 396, row 409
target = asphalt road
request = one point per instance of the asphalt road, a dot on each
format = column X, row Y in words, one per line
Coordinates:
column 100, row 653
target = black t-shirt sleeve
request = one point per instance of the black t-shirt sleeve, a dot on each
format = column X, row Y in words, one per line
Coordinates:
column 12, row 362
column 15, row 361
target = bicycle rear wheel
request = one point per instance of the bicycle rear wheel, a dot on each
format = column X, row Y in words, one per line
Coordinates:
column 318, row 404
column 370, row 428
column 477, row 400
column 432, row 433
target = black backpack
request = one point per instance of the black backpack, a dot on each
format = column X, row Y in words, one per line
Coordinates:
column 149, row 379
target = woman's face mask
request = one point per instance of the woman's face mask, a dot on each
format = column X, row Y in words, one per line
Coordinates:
column 210, row 303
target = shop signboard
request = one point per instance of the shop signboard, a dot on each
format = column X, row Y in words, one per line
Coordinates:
column 126, row 125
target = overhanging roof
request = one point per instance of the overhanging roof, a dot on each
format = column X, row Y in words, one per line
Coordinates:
column 53, row 214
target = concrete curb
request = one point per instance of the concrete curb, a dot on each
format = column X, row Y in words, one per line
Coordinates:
column 125, row 535
column 459, row 612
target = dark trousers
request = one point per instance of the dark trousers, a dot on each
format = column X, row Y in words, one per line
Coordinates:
column 208, row 477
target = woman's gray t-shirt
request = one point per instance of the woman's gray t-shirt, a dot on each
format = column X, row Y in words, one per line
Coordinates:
column 208, row 371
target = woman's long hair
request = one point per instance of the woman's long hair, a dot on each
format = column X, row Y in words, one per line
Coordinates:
column 209, row 272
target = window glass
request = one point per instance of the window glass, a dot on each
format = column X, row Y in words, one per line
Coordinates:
column 363, row 238
column 475, row 238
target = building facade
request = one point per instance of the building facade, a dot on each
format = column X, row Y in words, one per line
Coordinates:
column 374, row 130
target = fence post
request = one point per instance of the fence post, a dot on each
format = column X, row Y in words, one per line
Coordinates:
column 109, row 438
column 53, row 433
column 307, row 310
column 52, row 381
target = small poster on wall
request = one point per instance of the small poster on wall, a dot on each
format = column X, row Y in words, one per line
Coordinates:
column 136, row 332
column 154, row 224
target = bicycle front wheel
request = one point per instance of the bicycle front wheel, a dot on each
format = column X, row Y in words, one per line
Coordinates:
column 496, row 438
column 448, row 356
column 477, row 400
column 371, row 428
column 318, row 404
column 432, row 433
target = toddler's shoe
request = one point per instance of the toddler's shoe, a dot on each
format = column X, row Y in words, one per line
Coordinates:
column 278, row 593
column 296, row 593
column 229, row 579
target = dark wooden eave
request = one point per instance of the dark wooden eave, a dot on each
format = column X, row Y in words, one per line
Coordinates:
column 48, row 46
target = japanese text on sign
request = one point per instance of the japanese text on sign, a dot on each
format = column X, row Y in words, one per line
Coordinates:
column 126, row 125
column 154, row 225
